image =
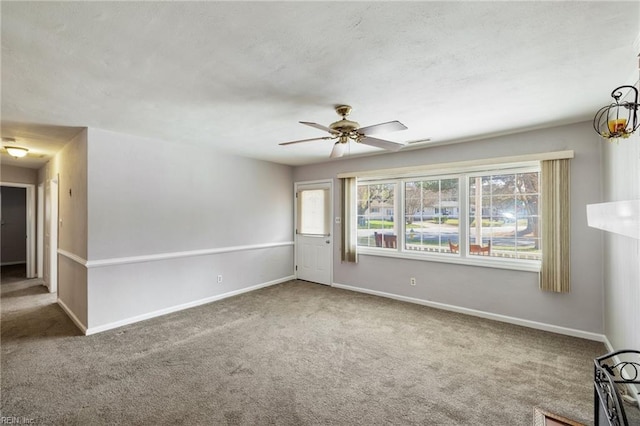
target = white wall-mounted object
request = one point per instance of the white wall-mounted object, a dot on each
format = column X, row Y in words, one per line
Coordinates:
column 619, row 217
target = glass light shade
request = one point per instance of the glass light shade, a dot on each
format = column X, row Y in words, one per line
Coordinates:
column 338, row 150
column 16, row 151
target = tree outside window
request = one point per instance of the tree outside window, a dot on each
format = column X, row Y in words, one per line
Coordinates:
column 503, row 215
column 432, row 210
column 376, row 215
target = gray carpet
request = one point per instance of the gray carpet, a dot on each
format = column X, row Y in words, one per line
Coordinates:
column 291, row 354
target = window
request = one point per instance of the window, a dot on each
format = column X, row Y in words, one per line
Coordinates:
column 432, row 210
column 376, row 208
column 486, row 217
column 503, row 215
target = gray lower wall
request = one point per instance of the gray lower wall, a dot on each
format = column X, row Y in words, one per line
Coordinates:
column 508, row 293
column 129, row 292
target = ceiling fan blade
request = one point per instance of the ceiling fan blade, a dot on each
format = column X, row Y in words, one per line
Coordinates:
column 305, row 140
column 381, row 143
column 391, row 126
column 321, row 127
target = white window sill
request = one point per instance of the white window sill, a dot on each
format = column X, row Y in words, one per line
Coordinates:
column 482, row 261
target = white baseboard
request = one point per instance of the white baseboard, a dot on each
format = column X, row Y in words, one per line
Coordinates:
column 608, row 344
column 73, row 316
column 488, row 315
column 171, row 309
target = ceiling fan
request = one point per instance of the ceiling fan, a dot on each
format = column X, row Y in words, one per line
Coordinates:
column 345, row 130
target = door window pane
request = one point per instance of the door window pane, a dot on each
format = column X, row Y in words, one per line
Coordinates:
column 313, row 212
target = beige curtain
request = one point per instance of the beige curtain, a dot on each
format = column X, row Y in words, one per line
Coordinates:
column 555, row 272
column 349, row 220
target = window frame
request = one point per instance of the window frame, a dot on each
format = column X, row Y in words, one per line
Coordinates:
column 396, row 225
column 439, row 177
column 462, row 257
column 513, row 171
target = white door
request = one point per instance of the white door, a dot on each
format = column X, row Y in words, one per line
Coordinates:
column 31, row 232
column 40, row 228
column 51, row 238
column 314, row 239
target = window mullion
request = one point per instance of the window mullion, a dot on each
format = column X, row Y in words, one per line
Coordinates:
column 464, row 215
column 400, row 214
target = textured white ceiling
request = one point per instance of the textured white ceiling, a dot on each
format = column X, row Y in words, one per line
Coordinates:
column 240, row 75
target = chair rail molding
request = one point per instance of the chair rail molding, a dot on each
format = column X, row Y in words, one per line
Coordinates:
column 165, row 256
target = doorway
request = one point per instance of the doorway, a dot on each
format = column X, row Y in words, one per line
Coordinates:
column 18, row 251
column 314, row 236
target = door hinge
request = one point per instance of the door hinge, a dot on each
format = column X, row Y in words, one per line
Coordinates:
column 296, row 267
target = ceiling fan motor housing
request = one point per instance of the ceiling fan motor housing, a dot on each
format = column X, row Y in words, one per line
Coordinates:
column 344, row 126
column 346, row 130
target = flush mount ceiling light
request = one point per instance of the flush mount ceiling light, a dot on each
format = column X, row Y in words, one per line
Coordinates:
column 14, row 151
column 619, row 119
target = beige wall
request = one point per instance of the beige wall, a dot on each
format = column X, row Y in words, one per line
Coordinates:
column 69, row 168
column 13, row 174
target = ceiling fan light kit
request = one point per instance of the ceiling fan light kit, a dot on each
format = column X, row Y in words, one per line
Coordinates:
column 345, row 130
column 339, row 148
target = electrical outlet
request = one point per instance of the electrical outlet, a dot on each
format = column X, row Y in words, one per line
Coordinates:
column 412, row 280
column 219, row 279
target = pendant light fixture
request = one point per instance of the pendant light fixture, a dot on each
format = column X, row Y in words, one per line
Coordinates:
column 620, row 118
